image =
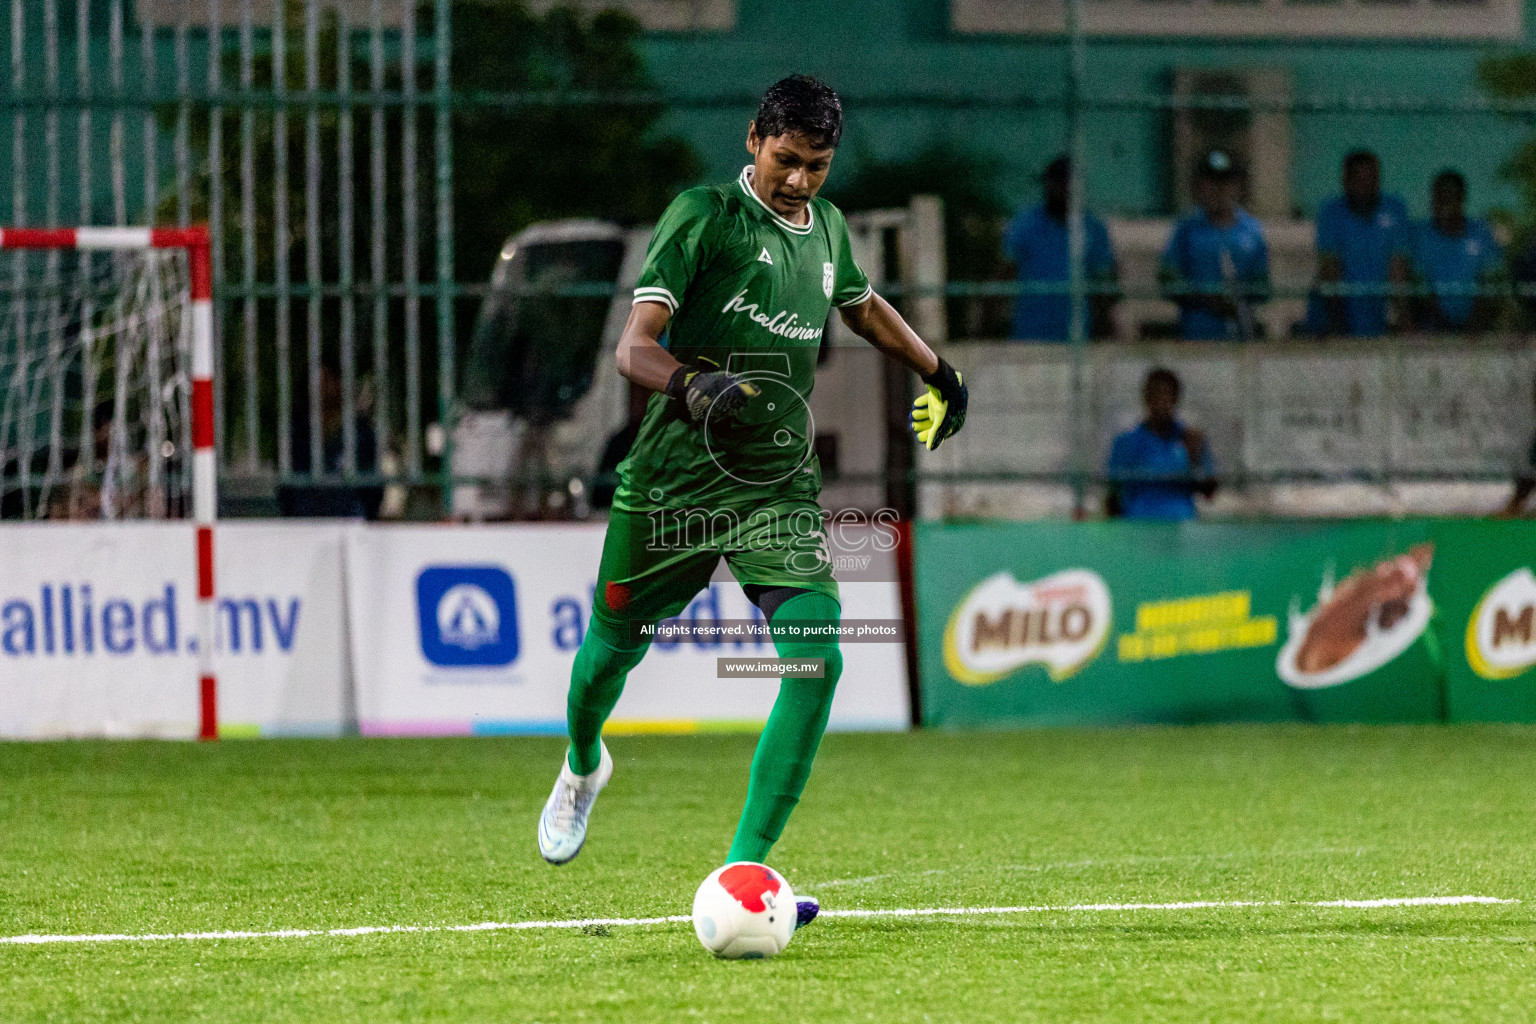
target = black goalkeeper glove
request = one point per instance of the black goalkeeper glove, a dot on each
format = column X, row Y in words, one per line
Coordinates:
column 701, row 392
column 939, row 411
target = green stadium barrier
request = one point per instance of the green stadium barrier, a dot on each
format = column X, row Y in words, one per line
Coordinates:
column 1492, row 592
column 1097, row 623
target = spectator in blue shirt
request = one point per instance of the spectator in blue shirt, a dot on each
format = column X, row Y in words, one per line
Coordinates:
column 1036, row 241
column 1455, row 255
column 1216, row 265
column 1156, row 470
column 1362, row 241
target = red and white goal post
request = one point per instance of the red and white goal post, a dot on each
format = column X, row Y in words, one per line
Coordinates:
column 110, row 385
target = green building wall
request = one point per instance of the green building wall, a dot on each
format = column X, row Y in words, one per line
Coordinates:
column 881, row 53
column 874, row 51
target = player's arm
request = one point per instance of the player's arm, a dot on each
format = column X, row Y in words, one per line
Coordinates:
column 877, row 322
column 640, row 355
column 681, row 244
column 696, row 389
column 939, row 412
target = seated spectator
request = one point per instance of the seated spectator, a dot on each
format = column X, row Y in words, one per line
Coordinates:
column 1362, row 240
column 1455, row 255
column 1216, row 265
column 1156, row 469
column 1036, row 241
column 325, row 498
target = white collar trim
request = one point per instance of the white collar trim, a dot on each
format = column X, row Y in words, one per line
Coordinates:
column 745, row 181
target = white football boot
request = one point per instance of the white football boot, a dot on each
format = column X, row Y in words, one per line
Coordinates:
column 563, row 825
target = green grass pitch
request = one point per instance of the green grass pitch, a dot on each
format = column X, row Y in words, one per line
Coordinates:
column 159, row 837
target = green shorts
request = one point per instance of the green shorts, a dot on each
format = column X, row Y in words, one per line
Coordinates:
column 654, row 563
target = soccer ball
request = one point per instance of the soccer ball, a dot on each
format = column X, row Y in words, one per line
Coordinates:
column 744, row 911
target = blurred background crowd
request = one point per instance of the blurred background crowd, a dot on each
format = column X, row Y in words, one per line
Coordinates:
column 426, row 217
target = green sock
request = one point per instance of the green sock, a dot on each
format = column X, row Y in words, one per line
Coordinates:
column 788, row 744
column 597, row 680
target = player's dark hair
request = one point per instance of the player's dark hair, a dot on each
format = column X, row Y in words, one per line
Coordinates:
column 1449, row 177
column 1354, row 158
column 1164, row 376
column 804, row 106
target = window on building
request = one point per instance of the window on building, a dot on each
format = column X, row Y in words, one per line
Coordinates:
column 653, row 15
column 196, row 14
column 1337, row 19
column 659, row 15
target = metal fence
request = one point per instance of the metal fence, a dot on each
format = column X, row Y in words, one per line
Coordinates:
column 313, row 138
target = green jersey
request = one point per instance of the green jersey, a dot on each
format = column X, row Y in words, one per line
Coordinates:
column 751, row 292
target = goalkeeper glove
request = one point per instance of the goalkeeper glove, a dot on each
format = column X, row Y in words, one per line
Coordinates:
column 700, row 392
column 939, row 411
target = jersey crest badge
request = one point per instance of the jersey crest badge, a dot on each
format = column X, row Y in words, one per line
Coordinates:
column 764, row 257
column 826, row 279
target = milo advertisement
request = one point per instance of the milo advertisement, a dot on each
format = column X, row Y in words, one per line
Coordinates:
column 1099, row 623
column 1488, row 606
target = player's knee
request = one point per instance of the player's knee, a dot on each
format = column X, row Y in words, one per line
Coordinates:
column 832, row 656
column 617, row 637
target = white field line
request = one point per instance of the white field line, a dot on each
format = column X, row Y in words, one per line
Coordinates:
column 383, row 929
column 1409, row 901
column 588, row 922
column 1099, row 862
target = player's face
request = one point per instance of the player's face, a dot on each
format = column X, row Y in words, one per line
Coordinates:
column 787, row 171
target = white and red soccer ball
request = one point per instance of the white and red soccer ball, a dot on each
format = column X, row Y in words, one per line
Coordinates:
column 744, row 911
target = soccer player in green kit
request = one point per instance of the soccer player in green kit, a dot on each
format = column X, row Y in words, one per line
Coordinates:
column 740, row 279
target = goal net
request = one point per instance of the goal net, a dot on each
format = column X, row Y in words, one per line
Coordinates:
column 95, row 384
column 106, row 391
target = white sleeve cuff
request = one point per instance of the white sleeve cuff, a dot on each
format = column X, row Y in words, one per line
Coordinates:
column 652, row 293
column 864, row 297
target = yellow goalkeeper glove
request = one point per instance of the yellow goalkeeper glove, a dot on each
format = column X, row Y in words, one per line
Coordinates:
column 939, row 411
